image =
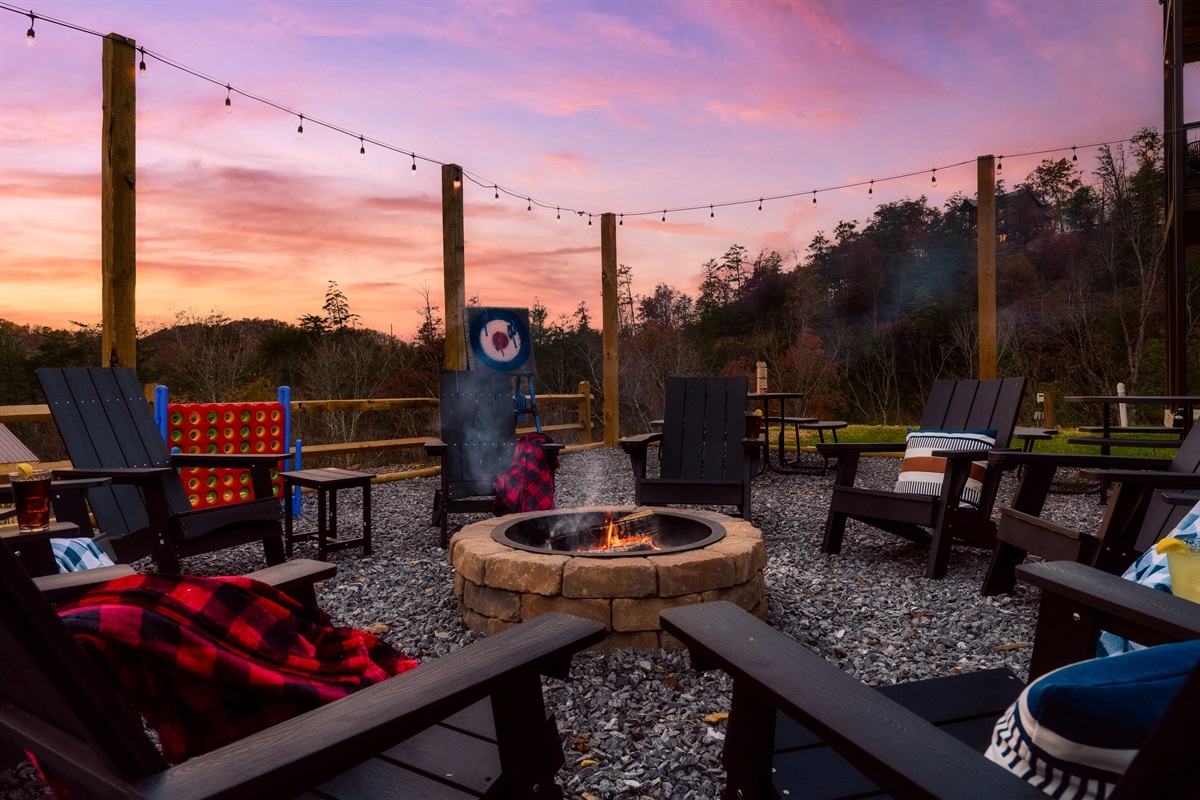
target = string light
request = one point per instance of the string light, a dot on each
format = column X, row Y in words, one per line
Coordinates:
column 496, row 189
column 362, row 152
column 30, row 34
column 529, row 200
column 228, row 99
column 760, row 204
column 814, row 197
column 871, row 188
column 621, row 220
column 414, row 156
column 711, row 213
column 1074, row 155
column 589, row 220
column 557, row 212
column 142, row 65
column 999, row 163
column 300, row 129
column 664, row 215
column 934, row 178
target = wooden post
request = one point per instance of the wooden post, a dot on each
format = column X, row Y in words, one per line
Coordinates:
column 454, row 266
column 585, row 413
column 1048, row 410
column 608, row 284
column 118, row 228
column 1175, row 169
column 985, row 231
column 760, row 383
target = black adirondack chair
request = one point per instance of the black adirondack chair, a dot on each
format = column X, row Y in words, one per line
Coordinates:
column 704, row 455
column 1150, row 496
column 952, row 405
column 426, row 733
column 800, row 727
column 109, row 431
column 478, row 438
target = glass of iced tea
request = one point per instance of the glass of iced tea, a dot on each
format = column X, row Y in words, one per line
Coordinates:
column 31, row 497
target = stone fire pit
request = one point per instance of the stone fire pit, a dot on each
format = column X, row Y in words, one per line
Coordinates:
column 498, row 586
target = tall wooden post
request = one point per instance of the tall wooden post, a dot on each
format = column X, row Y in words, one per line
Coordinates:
column 985, row 231
column 608, row 284
column 454, row 265
column 118, row 228
column 1175, row 170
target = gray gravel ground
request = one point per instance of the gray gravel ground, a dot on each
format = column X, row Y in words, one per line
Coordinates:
column 633, row 722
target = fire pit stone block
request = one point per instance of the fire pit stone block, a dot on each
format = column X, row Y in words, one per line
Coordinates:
column 642, row 615
column 615, row 577
column 599, row 609
column 525, row 572
column 495, row 603
column 693, row 571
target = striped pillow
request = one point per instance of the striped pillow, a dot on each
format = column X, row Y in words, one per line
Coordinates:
column 1074, row 731
column 922, row 473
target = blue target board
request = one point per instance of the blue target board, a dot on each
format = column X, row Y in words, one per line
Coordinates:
column 498, row 339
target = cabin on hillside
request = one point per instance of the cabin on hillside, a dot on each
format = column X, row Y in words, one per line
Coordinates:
column 1020, row 216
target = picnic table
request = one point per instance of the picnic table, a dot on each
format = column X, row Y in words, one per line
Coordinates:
column 1106, row 440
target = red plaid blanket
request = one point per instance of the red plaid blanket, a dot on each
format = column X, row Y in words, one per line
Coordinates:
column 207, row 661
column 529, row 483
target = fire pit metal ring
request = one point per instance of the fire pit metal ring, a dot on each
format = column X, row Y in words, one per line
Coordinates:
column 567, row 532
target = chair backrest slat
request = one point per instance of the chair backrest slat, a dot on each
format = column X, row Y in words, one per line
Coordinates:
column 975, row 405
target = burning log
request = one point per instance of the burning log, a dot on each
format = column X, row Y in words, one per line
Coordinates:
column 629, row 534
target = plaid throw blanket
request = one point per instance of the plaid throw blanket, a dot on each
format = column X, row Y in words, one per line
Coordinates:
column 207, row 661
column 529, row 484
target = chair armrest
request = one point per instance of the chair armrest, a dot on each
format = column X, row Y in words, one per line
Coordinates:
column 312, row 748
column 639, row 443
column 1181, row 498
column 552, row 448
column 435, row 447
column 772, row 671
column 229, row 460
column 296, row 578
column 70, row 585
column 138, row 476
column 1017, row 458
column 1159, row 480
column 1079, row 601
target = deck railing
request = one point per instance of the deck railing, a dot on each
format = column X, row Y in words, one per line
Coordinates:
column 582, row 399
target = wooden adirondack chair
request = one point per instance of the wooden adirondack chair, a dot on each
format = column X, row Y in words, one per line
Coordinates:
column 800, row 727
column 1150, row 496
column 953, row 405
column 426, row 733
column 109, row 431
column 704, row 455
column 478, row 438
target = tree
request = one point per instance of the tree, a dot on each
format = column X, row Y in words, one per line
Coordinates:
column 1055, row 182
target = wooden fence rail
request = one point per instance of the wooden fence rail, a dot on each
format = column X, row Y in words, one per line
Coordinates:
column 582, row 400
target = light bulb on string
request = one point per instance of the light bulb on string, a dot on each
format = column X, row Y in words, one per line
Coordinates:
column 228, row 99
column 300, row 128
column 30, row 34
column 933, row 180
column 760, row 204
column 557, row 212
column 496, row 189
column 711, row 213
column 999, row 163
column 814, row 197
column 621, row 221
column 142, row 64
column 1074, row 155
column 414, row 157
column 362, row 149
column 529, row 207
column 871, row 188
column 589, row 219
column 664, row 215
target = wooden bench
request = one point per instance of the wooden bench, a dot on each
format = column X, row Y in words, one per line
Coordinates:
column 1138, row 429
column 327, row 482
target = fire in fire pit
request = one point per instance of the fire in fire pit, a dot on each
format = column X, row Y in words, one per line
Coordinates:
column 600, row 534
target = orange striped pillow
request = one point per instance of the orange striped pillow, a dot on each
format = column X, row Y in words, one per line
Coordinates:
column 922, row 473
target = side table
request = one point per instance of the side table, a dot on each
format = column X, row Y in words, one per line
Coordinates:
column 327, row 482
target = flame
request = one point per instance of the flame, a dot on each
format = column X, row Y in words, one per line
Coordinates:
column 614, row 539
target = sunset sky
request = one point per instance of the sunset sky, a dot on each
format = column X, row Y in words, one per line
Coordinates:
column 621, row 107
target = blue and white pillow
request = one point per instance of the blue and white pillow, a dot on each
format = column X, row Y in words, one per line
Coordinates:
column 922, row 473
column 78, row 554
column 1073, row 732
column 1150, row 569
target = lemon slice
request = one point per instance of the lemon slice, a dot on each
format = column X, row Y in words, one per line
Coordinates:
column 25, row 469
column 1171, row 545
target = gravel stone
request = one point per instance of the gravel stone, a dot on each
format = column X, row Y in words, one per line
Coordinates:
column 640, row 715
